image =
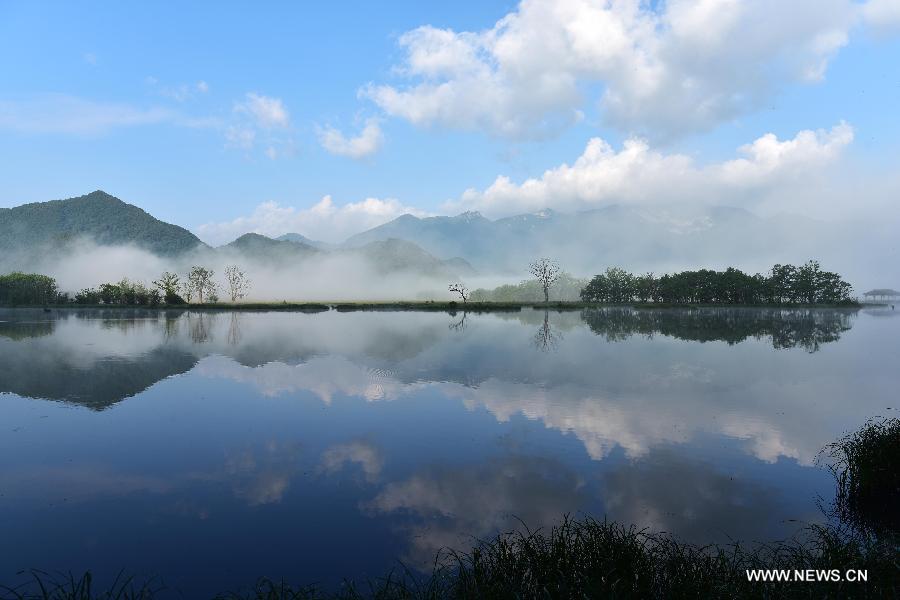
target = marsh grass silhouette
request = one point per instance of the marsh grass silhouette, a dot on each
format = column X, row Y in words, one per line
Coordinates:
column 41, row 585
column 865, row 466
column 579, row 558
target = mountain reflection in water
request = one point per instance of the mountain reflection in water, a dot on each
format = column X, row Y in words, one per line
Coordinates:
column 176, row 440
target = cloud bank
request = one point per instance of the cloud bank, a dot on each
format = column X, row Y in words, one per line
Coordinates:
column 639, row 174
column 660, row 71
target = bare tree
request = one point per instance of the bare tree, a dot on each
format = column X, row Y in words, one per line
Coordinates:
column 461, row 289
column 238, row 283
column 547, row 273
column 200, row 281
column 187, row 290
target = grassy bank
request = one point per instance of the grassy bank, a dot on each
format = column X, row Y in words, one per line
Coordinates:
column 425, row 306
column 582, row 558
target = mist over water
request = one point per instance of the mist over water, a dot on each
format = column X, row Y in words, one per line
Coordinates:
column 864, row 252
column 317, row 278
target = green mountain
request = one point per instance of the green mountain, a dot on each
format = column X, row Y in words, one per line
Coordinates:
column 260, row 247
column 97, row 216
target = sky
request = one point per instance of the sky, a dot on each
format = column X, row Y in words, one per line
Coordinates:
column 330, row 118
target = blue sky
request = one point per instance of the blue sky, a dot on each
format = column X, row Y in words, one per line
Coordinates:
column 157, row 103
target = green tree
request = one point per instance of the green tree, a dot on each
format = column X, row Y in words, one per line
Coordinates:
column 169, row 284
column 200, row 281
column 28, row 288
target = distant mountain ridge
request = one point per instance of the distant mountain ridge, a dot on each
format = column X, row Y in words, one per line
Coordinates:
column 99, row 216
column 653, row 238
column 660, row 239
column 258, row 246
column 386, row 256
column 296, row 237
column 39, row 229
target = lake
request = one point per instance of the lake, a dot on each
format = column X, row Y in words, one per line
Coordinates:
column 210, row 448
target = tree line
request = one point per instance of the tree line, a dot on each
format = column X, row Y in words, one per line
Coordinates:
column 784, row 284
column 170, row 289
column 28, row 288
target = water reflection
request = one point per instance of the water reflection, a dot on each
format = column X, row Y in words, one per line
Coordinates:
column 261, row 474
column 398, row 433
column 668, row 492
column 446, row 506
column 459, row 324
column 366, row 455
column 787, row 328
column 20, row 330
column 545, row 339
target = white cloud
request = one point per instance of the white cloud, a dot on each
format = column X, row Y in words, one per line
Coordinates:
column 683, row 67
column 323, row 221
column 367, row 456
column 639, row 174
column 367, row 143
column 882, row 15
column 266, row 112
column 179, row 93
column 260, row 119
column 240, row 137
column 60, row 113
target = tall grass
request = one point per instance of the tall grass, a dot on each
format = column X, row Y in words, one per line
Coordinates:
column 588, row 558
column 40, row 585
column 866, row 466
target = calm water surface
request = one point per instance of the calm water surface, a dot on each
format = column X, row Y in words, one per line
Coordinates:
column 212, row 448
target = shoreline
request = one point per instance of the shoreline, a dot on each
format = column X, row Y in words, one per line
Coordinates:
column 429, row 306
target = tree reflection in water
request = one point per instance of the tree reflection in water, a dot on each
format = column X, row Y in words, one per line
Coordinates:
column 545, row 339
column 234, row 330
column 201, row 325
column 787, row 328
column 459, row 325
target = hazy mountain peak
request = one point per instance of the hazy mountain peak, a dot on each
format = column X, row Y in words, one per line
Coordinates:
column 302, row 239
column 97, row 216
column 258, row 241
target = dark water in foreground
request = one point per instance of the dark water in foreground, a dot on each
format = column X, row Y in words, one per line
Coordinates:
column 212, row 448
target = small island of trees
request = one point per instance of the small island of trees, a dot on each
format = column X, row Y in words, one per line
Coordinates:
column 785, row 284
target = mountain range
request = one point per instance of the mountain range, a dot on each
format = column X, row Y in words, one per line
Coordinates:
column 32, row 231
column 639, row 238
